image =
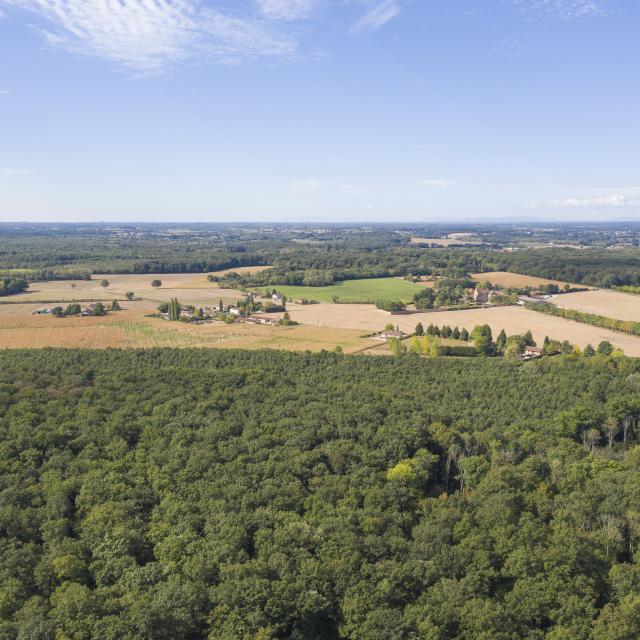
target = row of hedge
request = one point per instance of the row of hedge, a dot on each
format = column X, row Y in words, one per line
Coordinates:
column 624, row 326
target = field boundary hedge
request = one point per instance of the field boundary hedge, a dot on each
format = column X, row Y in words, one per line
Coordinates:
column 595, row 320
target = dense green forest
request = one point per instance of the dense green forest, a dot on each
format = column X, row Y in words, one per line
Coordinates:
column 597, row 267
column 234, row 495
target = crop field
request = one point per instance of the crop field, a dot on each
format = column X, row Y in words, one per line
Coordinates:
column 603, row 302
column 323, row 326
column 514, row 320
column 189, row 288
column 130, row 328
column 356, row 291
column 516, row 280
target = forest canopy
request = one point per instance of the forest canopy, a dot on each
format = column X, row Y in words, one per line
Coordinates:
column 191, row 495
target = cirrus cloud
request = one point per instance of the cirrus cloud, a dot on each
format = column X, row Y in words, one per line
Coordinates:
column 146, row 36
column 287, row 9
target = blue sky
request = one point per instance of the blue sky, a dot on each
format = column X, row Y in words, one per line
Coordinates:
column 307, row 110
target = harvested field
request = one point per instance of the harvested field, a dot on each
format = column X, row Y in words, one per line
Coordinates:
column 514, row 320
column 603, row 302
column 515, row 280
column 189, row 288
column 130, row 328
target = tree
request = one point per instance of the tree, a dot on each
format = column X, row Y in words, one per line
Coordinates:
column 588, row 351
column 156, row 283
column 590, row 438
column 566, row 347
column 464, row 335
column 605, row 348
column 611, row 429
column 501, row 341
column 115, row 306
column 397, row 347
column 455, row 334
column 104, row 283
column 99, row 310
column 419, row 329
column 73, row 309
column 446, row 331
column 528, row 339
column 174, row 309
column 514, row 347
column 482, row 339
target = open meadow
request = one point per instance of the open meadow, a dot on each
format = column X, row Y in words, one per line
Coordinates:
column 367, row 290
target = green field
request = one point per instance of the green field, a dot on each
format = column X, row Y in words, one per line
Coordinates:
column 356, row 291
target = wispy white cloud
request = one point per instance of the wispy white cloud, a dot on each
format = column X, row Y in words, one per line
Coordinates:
column 288, row 9
column 591, row 203
column 148, row 35
column 377, row 16
column 437, row 183
column 566, row 9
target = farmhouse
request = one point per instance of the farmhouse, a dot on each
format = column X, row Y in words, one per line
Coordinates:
column 532, row 352
column 277, row 297
column 481, row 295
column 388, row 335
